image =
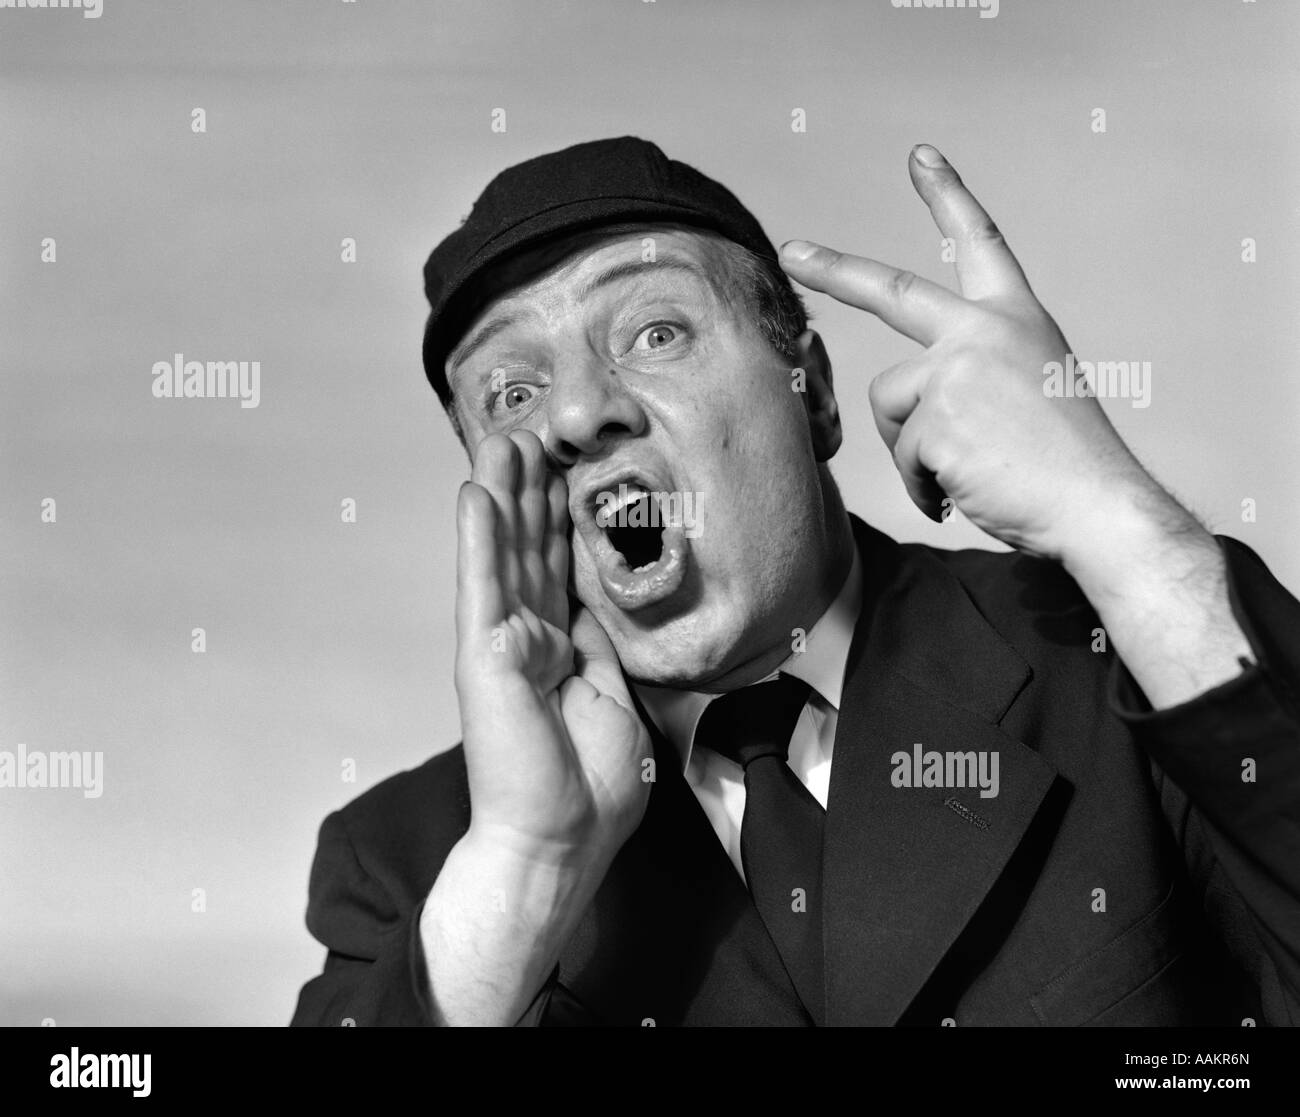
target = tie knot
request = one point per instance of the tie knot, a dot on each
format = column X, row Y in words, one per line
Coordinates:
column 754, row 721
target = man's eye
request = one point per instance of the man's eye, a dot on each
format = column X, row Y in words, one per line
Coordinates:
column 655, row 337
column 513, row 397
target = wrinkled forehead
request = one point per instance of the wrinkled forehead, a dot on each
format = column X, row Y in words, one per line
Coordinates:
column 575, row 259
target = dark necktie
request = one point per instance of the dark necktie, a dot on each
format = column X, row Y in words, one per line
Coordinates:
column 781, row 831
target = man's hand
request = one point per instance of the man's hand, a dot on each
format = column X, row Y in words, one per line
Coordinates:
column 968, row 420
column 968, row 417
column 554, row 749
column 553, row 745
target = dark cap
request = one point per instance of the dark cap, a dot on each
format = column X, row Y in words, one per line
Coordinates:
column 577, row 189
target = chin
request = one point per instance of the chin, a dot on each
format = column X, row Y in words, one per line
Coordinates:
column 686, row 652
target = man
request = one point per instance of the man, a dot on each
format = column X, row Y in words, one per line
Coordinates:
column 851, row 782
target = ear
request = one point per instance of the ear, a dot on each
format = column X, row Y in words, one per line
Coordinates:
column 819, row 395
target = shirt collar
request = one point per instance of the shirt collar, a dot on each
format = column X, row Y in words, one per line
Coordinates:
column 820, row 664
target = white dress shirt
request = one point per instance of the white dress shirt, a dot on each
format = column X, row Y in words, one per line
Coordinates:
column 718, row 783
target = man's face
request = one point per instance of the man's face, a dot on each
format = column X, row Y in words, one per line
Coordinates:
column 643, row 373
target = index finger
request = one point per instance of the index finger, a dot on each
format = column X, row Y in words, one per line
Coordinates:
column 913, row 306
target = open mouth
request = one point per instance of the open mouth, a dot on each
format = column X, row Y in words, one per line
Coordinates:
column 635, row 530
column 639, row 550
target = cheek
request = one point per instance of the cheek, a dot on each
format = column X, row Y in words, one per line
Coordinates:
column 739, row 401
column 771, row 439
column 744, row 428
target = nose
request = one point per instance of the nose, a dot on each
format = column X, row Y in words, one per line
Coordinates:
column 587, row 408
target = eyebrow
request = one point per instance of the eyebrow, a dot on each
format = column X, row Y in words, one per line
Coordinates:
column 482, row 337
column 631, row 268
column 614, row 274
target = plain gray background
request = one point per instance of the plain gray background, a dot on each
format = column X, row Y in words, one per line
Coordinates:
column 329, row 642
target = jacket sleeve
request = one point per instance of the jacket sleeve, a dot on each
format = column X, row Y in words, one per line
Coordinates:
column 375, row 972
column 1227, row 768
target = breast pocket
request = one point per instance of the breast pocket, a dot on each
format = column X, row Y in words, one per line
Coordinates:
column 1137, row 979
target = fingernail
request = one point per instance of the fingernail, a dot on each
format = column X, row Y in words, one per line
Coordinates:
column 797, row 250
column 928, row 156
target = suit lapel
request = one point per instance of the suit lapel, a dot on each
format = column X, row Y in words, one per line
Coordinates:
column 906, row 868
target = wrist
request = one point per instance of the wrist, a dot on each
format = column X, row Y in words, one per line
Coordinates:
column 1158, row 581
column 500, row 895
column 528, row 856
column 1135, row 539
column 493, row 926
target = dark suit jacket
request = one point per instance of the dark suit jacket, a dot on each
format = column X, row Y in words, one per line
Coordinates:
column 939, row 904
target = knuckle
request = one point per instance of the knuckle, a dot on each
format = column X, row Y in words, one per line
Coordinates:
column 833, row 261
column 987, row 234
column 900, row 284
column 882, row 387
column 907, row 445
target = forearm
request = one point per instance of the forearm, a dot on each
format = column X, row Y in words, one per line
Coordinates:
column 1158, row 582
column 494, row 924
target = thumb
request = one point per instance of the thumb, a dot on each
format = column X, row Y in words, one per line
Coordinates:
column 594, row 657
